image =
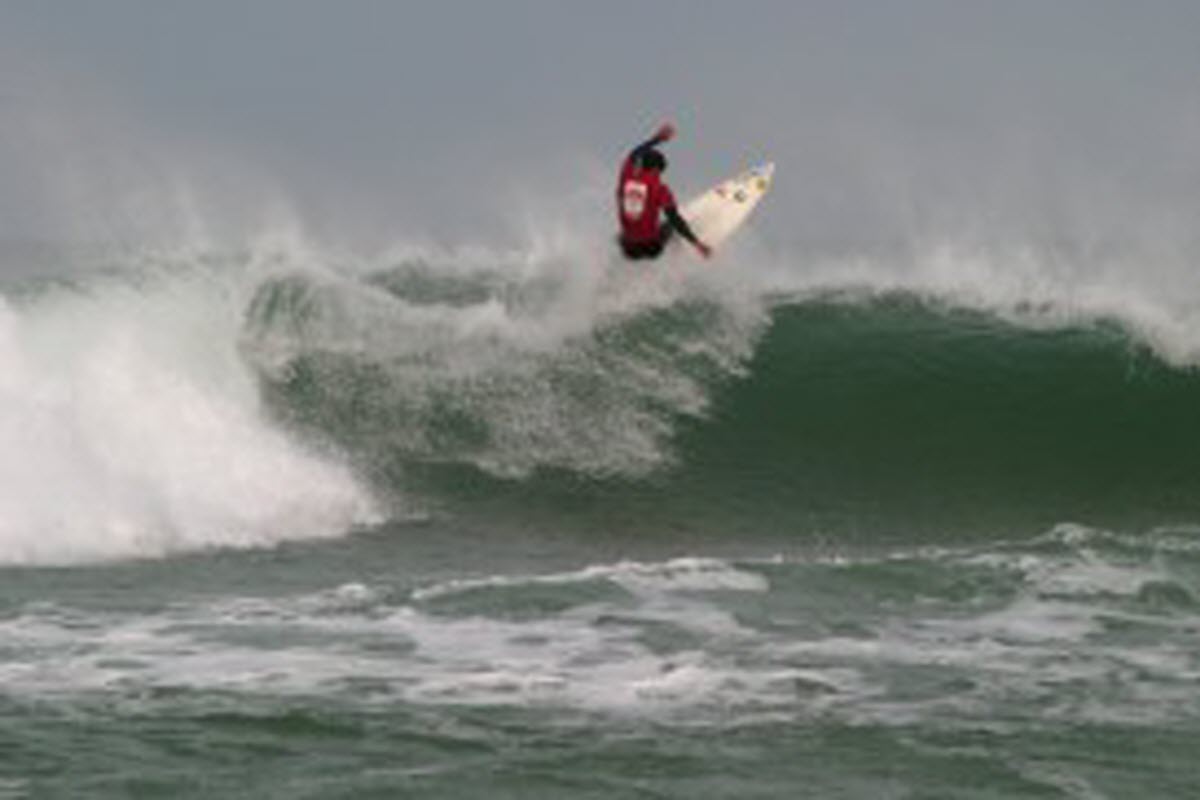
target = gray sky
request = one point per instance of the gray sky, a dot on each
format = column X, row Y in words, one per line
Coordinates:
column 374, row 119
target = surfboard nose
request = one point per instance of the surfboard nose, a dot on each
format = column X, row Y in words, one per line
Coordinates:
column 761, row 176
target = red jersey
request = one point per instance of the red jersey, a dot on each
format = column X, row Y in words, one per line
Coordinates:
column 641, row 196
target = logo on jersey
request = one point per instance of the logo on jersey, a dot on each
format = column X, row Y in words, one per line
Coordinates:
column 633, row 199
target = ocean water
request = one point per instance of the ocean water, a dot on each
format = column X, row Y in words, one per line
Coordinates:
column 288, row 523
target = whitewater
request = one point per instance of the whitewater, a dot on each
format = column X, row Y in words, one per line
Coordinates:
column 133, row 429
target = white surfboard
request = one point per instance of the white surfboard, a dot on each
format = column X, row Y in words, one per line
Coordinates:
column 720, row 211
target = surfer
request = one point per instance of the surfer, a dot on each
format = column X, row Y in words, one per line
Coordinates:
column 642, row 194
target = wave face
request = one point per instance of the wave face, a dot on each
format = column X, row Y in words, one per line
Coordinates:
column 869, row 412
column 174, row 404
column 918, row 415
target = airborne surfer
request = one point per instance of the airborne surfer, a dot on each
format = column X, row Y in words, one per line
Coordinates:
column 642, row 194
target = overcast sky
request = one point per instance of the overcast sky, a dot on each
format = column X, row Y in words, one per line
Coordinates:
column 382, row 117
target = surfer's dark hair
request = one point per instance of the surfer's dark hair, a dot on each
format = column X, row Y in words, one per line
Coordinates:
column 653, row 159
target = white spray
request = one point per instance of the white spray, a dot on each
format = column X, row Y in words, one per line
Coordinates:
column 129, row 427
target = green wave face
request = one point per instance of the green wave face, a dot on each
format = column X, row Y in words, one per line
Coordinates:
column 909, row 415
column 865, row 418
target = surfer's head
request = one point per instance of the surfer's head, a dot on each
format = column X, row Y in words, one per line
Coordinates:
column 655, row 160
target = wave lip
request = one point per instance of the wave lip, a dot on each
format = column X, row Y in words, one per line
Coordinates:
column 416, row 364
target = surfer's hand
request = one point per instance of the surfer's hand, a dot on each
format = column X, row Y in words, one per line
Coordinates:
column 665, row 133
column 704, row 249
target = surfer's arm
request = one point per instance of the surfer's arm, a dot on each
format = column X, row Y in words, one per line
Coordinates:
column 665, row 133
column 680, row 225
